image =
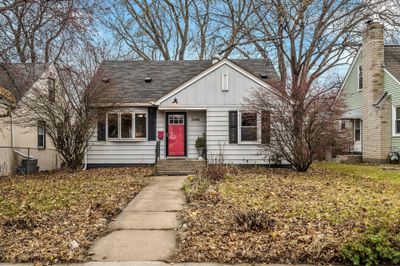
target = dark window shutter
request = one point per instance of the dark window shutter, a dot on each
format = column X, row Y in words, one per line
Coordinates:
column 233, row 127
column 152, row 123
column 101, row 128
column 265, row 127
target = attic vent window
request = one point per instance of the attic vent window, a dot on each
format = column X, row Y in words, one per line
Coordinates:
column 264, row 75
column 225, row 82
column 148, row 79
column 105, row 80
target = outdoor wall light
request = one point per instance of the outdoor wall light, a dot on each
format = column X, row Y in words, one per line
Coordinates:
column 175, row 101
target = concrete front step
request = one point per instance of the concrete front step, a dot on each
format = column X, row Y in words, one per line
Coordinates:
column 176, row 168
column 179, row 166
column 159, row 173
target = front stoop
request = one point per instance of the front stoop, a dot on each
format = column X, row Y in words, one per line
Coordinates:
column 179, row 166
column 146, row 229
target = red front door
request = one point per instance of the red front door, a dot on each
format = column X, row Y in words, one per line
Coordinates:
column 176, row 135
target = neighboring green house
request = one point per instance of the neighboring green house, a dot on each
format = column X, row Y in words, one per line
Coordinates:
column 371, row 93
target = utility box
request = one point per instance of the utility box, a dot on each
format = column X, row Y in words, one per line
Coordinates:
column 29, row 165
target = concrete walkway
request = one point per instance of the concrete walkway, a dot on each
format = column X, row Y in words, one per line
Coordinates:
column 145, row 230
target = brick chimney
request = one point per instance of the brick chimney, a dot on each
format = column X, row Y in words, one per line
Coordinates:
column 376, row 133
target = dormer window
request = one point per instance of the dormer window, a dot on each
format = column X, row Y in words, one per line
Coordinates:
column 51, row 83
column 360, row 78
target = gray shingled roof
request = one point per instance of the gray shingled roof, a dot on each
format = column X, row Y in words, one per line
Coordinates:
column 19, row 78
column 392, row 60
column 127, row 78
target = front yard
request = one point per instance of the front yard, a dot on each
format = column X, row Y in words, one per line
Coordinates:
column 336, row 213
column 54, row 217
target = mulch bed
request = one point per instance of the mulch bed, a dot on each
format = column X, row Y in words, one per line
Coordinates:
column 54, row 217
column 311, row 216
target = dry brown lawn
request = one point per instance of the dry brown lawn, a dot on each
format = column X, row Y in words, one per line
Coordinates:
column 54, row 217
column 310, row 216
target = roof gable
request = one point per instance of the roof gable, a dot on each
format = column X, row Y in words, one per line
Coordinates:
column 127, row 82
column 204, row 90
column 19, row 78
column 392, row 60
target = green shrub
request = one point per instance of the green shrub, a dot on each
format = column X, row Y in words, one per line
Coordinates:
column 201, row 142
column 373, row 249
column 195, row 187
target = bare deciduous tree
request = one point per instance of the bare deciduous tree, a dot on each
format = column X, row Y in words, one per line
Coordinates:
column 70, row 116
column 308, row 39
column 318, row 130
column 178, row 29
column 42, row 31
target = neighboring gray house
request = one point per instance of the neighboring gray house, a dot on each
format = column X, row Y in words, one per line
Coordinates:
column 175, row 102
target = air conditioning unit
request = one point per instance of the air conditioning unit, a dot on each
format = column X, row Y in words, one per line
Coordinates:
column 393, row 157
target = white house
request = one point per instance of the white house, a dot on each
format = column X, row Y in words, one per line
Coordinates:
column 175, row 102
column 17, row 142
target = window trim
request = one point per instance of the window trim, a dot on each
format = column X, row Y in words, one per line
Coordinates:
column 358, row 78
column 42, row 124
column 133, row 138
column 394, row 133
column 258, row 141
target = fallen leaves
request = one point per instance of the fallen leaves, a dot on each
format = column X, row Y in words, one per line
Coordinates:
column 314, row 214
column 55, row 217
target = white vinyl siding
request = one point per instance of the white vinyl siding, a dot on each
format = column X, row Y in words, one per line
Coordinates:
column 207, row 93
column 213, row 104
column 143, row 151
column 218, row 140
column 196, row 126
column 140, row 151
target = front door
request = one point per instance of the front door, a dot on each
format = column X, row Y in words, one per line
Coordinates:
column 176, row 134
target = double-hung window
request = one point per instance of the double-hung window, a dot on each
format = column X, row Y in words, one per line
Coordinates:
column 248, row 127
column 126, row 126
